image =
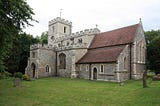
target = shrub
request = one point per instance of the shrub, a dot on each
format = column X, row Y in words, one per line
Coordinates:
column 1, row 75
column 5, row 74
column 18, row 75
column 26, row 77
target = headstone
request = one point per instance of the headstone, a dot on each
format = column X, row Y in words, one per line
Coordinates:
column 17, row 82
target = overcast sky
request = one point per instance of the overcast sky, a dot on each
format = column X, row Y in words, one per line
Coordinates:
column 85, row 14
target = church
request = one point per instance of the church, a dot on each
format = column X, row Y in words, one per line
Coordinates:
column 115, row 55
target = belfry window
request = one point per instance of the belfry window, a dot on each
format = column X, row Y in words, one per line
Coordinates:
column 65, row 29
column 62, row 61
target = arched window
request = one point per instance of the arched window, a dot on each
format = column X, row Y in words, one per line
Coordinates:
column 65, row 29
column 125, row 63
column 62, row 61
column 47, row 68
column 101, row 68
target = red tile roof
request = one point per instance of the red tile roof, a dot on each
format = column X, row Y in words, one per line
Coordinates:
column 101, row 55
column 115, row 37
column 107, row 46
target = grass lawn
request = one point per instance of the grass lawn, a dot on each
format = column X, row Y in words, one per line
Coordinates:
column 78, row 92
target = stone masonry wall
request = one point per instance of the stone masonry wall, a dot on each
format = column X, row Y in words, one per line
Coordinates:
column 107, row 75
column 138, row 54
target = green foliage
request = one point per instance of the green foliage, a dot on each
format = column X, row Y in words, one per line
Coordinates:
column 18, row 75
column 153, row 50
column 26, row 77
column 18, row 57
column 44, row 38
column 14, row 15
column 79, row 92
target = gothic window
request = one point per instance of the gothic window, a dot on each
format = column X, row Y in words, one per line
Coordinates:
column 80, row 40
column 125, row 63
column 87, row 67
column 65, row 28
column 47, row 68
column 33, row 54
column 62, row 61
column 101, row 68
column 138, row 52
column 143, row 59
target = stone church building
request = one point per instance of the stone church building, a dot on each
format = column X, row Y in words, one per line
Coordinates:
column 115, row 55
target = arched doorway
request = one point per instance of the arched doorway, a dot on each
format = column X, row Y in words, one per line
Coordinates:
column 95, row 74
column 33, row 67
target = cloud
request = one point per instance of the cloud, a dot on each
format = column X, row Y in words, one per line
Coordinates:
column 108, row 14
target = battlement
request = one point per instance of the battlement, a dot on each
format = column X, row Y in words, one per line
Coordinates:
column 86, row 32
column 40, row 46
column 61, row 20
column 78, row 34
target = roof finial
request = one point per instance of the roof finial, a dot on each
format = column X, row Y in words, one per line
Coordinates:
column 61, row 12
column 140, row 20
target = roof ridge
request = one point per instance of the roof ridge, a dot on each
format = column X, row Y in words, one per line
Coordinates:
column 120, row 28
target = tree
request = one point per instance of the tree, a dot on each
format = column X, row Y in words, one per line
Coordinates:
column 153, row 50
column 14, row 15
column 18, row 57
column 154, row 54
column 44, row 38
column 25, row 41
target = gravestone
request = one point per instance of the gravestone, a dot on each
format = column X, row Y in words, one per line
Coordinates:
column 17, row 82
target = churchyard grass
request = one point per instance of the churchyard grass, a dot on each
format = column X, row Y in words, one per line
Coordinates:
column 78, row 92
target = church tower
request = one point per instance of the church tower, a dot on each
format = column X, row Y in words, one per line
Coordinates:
column 58, row 28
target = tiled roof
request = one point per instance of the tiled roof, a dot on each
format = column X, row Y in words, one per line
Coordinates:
column 115, row 37
column 107, row 46
column 101, row 55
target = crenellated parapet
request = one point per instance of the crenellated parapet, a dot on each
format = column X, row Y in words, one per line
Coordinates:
column 61, row 20
column 40, row 46
column 93, row 31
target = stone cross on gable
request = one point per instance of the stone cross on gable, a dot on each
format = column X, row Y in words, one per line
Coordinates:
column 61, row 12
column 96, row 26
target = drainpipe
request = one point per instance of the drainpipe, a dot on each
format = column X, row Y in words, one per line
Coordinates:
column 56, row 65
column 130, row 62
